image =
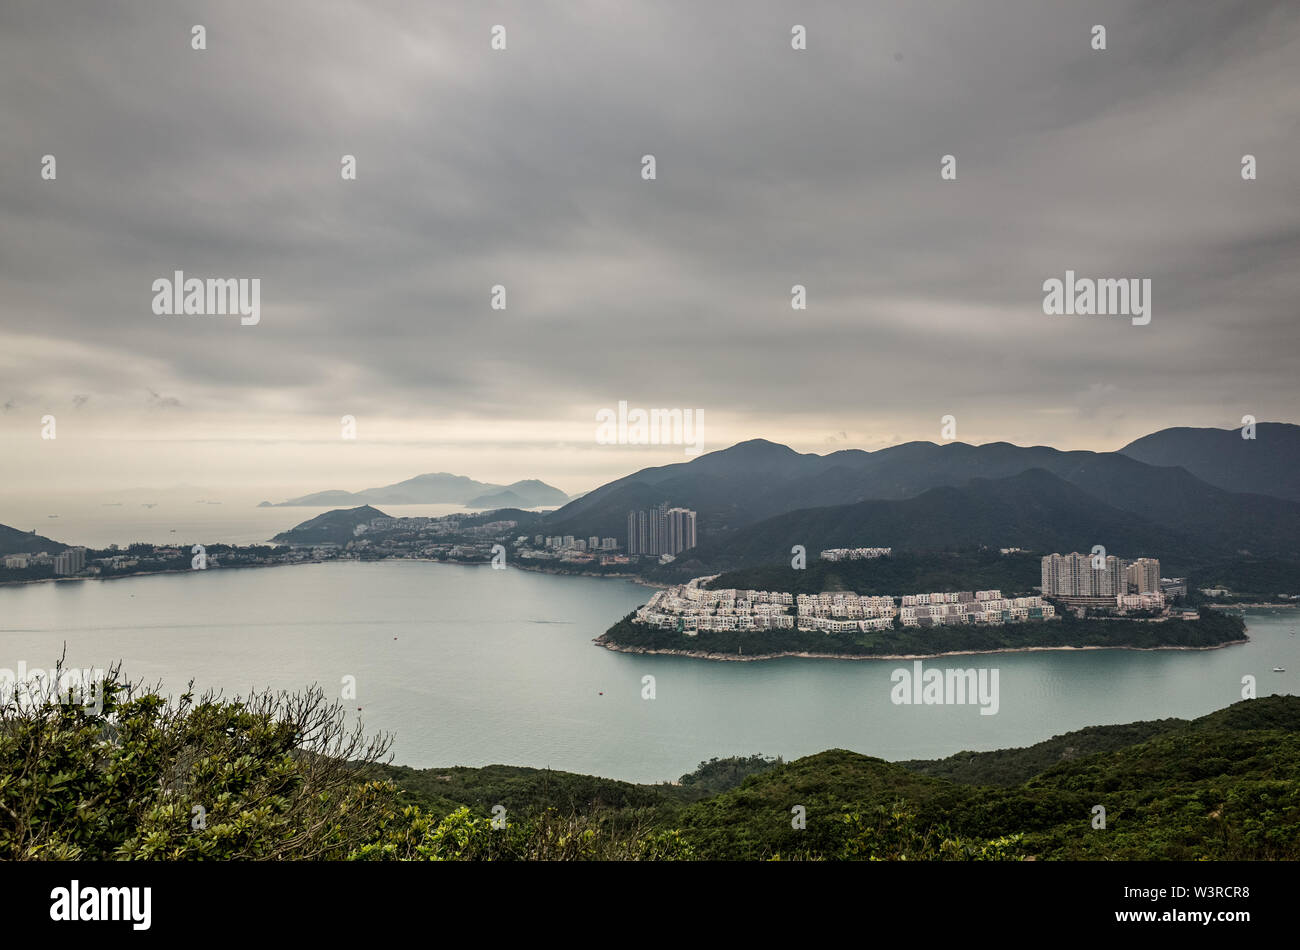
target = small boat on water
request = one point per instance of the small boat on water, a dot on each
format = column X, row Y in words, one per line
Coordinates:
column 1278, row 669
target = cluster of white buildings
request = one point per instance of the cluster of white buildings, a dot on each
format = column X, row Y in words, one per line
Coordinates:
column 661, row 530
column 1086, row 580
column 854, row 554
column 569, row 543
column 71, row 561
column 836, row 612
column 983, row 606
column 690, row 608
column 447, row 524
column 1098, row 577
column 1148, row 601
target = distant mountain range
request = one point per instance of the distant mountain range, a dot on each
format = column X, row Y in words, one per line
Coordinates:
column 438, row 489
column 757, row 498
column 1185, row 495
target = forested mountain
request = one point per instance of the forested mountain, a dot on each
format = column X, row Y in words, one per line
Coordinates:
column 752, row 497
column 1268, row 464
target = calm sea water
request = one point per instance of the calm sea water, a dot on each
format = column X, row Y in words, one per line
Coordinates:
column 470, row 666
column 172, row 520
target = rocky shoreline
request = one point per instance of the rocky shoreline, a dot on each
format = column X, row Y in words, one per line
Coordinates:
column 741, row 658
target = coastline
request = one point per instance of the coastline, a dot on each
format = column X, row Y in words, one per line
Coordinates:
column 657, row 585
column 118, row 577
column 740, row 658
column 1289, row 606
column 635, row 578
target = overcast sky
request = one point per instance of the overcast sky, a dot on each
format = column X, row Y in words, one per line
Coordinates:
column 522, row 168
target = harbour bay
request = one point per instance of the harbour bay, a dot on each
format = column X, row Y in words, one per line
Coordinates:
column 470, row 666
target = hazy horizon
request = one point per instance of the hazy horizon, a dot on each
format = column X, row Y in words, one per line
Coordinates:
column 253, row 494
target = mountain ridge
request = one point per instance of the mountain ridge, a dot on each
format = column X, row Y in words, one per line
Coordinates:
column 434, row 488
column 755, row 480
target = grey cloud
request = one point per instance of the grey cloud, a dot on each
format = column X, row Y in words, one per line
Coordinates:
column 163, row 402
column 775, row 167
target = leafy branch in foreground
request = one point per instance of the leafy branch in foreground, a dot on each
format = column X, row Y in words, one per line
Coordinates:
column 139, row 776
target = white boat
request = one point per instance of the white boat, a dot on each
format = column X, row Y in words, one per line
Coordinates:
column 1278, row 669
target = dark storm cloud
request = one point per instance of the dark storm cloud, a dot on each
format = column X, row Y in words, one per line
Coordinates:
column 775, row 167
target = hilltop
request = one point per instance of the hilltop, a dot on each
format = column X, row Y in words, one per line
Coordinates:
column 333, row 527
column 13, row 541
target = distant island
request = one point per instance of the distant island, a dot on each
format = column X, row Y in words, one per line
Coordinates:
column 438, row 489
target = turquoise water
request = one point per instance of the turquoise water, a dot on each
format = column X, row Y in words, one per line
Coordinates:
column 471, row 666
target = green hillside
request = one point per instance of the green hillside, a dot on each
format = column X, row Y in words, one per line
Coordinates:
column 285, row 778
column 332, row 527
column 1224, row 786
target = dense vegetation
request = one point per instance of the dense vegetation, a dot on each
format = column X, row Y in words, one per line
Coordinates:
column 903, row 573
column 281, row 777
column 135, row 775
column 1250, row 579
column 1223, row 786
column 1210, row 629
